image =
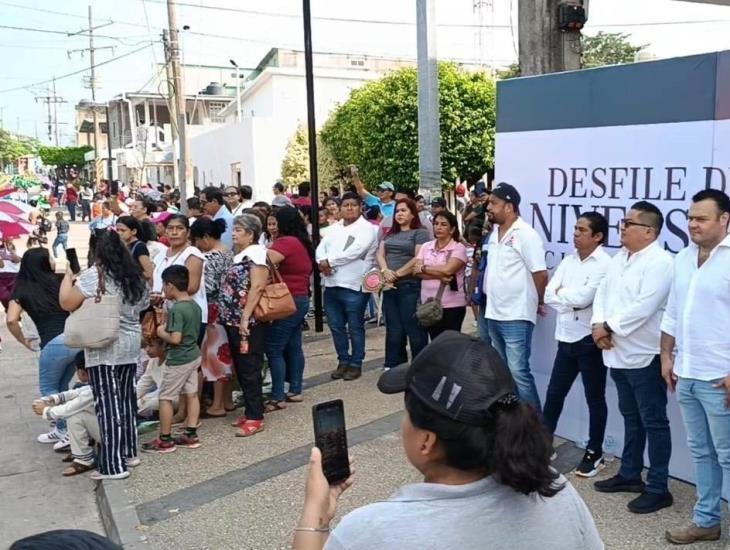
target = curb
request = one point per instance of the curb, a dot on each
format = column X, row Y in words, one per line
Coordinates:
column 119, row 515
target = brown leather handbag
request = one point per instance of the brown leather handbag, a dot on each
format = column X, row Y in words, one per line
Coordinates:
column 276, row 302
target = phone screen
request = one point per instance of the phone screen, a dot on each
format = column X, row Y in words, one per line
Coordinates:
column 330, row 437
column 73, row 260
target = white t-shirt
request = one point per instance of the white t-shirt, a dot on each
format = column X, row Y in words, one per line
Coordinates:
column 509, row 287
column 163, row 261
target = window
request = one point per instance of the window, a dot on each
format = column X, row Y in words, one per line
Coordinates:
column 214, row 109
column 357, row 62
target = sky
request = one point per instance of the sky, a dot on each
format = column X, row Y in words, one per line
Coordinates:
column 377, row 27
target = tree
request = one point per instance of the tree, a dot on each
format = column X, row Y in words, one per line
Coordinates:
column 377, row 127
column 606, row 48
column 295, row 166
column 14, row 146
column 64, row 157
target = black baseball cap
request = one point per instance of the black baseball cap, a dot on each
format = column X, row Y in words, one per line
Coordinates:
column 507, row 193
column 457, row 376
column 438, row 201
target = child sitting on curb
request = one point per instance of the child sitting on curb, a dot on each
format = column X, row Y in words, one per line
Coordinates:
column 148, row 386
column 76, row 407
column 180, row 371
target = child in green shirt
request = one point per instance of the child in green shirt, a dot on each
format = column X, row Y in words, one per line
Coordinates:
column 180, row 371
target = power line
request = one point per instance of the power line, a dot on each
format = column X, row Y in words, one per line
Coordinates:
column 67, row 14
column 83, row 33
column 106, row 62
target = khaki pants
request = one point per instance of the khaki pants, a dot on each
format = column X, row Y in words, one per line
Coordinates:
column 82, row 427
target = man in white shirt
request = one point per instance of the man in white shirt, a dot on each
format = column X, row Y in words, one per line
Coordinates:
column 344, row 256
column 247, row 197
column 571, row 292
column 695, row 323
column 627, row 312
column 213, row 205
column 514, row 286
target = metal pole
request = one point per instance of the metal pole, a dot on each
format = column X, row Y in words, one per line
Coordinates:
column 55, row 111
column 180, row 102
column 313, row 178
column 429, row 139
column 109, row 145
column 92, row 82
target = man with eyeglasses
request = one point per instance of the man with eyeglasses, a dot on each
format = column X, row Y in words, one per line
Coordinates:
column 232, row 196
column 627, row 313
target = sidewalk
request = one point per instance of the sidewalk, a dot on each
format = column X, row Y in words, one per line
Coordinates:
column 35, row 497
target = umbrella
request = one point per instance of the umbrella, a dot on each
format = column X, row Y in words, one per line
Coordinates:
column 9, row 207
column 24, row 207
column 13, row 226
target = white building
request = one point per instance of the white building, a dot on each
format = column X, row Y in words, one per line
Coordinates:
column 273, row 104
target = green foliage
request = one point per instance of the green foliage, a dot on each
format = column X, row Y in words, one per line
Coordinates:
column 512, row 71
column 14, row 146
column 377, row 127
column 64, row 157
column 606, row 48
column 295, row 166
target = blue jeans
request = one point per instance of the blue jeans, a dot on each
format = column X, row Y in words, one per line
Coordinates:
column 345, row 310
column 707, row 420
column 642, row 401
column 56, row 367
column 483, row 325
column 399, row 306
column 61, row 240
column 582, row 357
column 284, row 350
column 513, row 341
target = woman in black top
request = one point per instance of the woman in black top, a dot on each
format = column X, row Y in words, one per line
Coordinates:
column 36, row 293
column 134, row 235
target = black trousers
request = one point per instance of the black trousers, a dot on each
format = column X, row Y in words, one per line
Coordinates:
column 115, row 401
column 452, row 320
column 248, row 368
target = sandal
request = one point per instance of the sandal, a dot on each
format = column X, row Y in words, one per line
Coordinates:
column 231, row 409
column 294, row 397
column 68, row 458
column 206, row 414
column 250, row 427
column 75, row 468
column 273, row 406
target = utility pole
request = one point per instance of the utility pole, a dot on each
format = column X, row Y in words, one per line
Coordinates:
column 171, row 107
column 429, row 137
column 93, row 84
column 51, row 99
column 544, row 47
column 179, row 91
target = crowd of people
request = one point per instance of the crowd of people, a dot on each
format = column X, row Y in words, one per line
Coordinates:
column 198, row 280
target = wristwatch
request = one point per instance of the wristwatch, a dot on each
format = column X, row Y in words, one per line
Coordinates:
column 607, row 328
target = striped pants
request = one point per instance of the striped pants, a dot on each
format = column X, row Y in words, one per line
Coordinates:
column 116, row 409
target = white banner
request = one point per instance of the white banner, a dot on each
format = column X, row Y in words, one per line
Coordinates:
column 561, row 173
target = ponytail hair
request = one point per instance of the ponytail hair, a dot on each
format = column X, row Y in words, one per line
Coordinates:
column 513, row 446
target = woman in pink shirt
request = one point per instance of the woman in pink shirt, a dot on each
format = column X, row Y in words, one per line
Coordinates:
column 444, row 260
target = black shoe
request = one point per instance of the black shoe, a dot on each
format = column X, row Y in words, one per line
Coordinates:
column 352, row 373
column 619, row 484
column 650, row 502
column 339, row 372
column 591, row 464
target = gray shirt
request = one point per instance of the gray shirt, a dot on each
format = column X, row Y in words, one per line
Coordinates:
column 400, row 248
column 126, row 348
column 484, row 514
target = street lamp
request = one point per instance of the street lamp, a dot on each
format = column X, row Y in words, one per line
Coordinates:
column 238, row 90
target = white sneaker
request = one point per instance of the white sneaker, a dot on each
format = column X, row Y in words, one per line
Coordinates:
column 98, row 476
column 63, row 443
column 54, row 436
column 132, row 461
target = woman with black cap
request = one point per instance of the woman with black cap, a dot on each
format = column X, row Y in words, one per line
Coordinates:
column 485, row 459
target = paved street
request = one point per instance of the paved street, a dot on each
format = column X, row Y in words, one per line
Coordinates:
column 246, row 493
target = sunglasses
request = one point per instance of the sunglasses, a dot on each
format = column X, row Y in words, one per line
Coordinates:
column 629, row 223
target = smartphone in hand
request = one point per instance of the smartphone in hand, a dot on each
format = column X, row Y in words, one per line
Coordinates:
column 330, row 436
column 73, row 260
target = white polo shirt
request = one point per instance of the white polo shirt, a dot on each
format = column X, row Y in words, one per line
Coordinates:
column 698, row 313
column 571, row 291
column 631, row 299
column 509, row 287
